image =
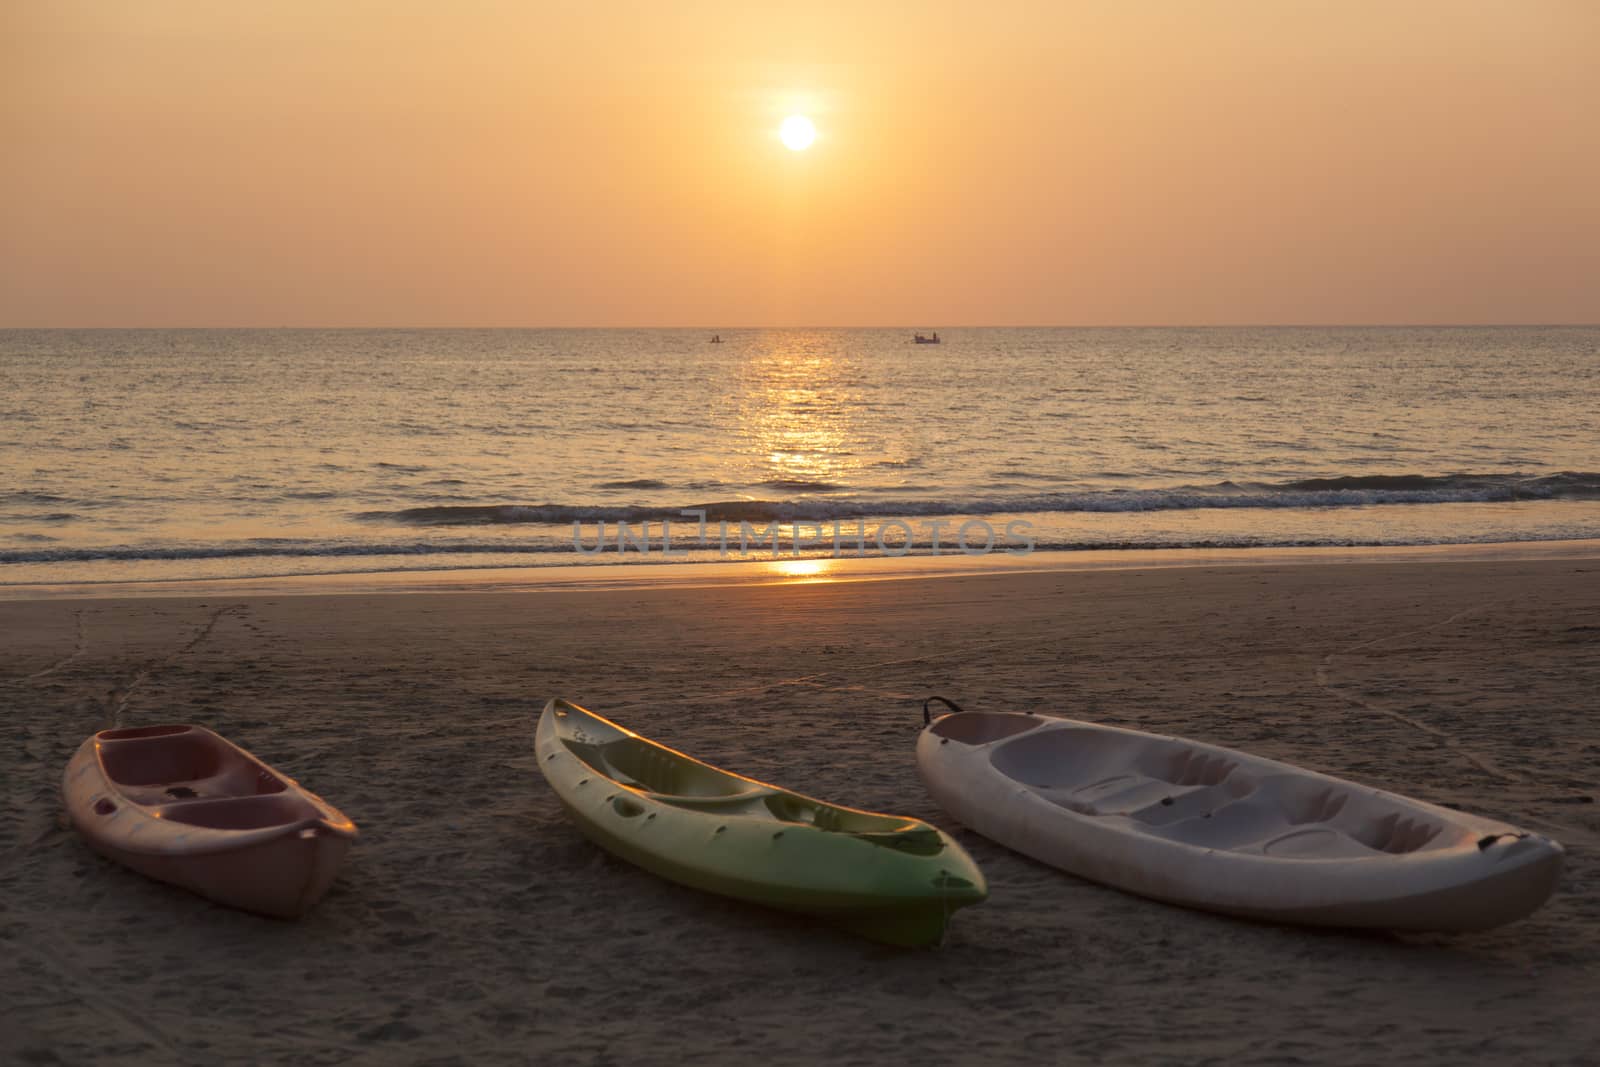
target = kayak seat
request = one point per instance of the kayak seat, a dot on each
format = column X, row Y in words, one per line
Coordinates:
column 915, row 839
column 1315, row 843
column 1120, row 794
column 1250, row 814
column 1094, row 772
column 1304, row 800
column 1365, row 817
column 1290, row 817
column 243, row 813
column 797, row 809
column 1398, row 834
column 731, row 801
column 1235, row 826
column 161, row 759
column 1070, row 758
column 1180, row 804
column 1178, row 763
column 178, row 765
column 638, row 763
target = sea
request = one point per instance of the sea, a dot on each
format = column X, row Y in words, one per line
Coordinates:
column 172, row 455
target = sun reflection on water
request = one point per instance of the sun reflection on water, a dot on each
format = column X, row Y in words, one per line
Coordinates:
column 797, row 410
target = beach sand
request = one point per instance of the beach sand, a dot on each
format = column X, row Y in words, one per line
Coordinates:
column 473, row 924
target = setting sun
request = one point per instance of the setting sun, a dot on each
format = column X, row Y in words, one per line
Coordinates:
column 797, row 133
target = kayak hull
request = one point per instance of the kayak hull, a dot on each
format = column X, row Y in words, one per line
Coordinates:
column 1213, row 828
column 182, row 805
column 892, row 879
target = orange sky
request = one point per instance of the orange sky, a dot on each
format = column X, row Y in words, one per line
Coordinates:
column 403, row 163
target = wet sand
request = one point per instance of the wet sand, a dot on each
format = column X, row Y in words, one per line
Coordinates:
column 473, row 924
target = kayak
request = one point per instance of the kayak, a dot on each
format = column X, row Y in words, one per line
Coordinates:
column 1212, row 828
column 892, row 879
column 185, row 806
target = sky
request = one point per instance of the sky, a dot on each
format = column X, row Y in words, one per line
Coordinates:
column 412, row 163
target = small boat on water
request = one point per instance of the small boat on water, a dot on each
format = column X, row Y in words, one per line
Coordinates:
column 183, row 805
column 1208, row 827
column 893, row 879
column 921, row 340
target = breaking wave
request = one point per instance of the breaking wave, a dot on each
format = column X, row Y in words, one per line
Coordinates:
column 1341, row 492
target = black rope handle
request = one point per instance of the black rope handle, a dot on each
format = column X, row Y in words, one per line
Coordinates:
column 1485, row 842
column 927, row 716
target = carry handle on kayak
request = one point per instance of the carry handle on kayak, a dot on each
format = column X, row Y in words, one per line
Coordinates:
column 927, row 716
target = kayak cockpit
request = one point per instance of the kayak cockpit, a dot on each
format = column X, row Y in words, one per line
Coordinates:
column 794, row 808
column 158, row 765
column 773, row 804
column 669, row 777
column 651, row 768
column 1209, row 798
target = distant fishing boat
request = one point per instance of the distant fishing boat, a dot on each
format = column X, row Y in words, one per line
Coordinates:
column 921, row 340
column 716, row 338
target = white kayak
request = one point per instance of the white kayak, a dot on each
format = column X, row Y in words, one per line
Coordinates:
column 1208, row 827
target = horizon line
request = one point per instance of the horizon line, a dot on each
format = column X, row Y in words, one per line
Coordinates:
column 913, row 328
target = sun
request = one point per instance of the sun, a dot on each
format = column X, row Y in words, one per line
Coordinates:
column 797, row 133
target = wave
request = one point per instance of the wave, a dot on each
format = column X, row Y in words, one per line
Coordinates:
column 30, row 496
column 251, row 550
column 1339, row 492
column 558, row 551
column 52, row 516
column 800, row 485
column 636, row 483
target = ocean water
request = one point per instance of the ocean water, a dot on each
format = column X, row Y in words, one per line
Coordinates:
column 178, row 454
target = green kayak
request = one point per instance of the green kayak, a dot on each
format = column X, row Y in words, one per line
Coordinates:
column 892, row 879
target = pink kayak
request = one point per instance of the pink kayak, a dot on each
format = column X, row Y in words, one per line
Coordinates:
column 182, row 805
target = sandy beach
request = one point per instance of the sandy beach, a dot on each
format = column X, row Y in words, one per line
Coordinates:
column 473, row 924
